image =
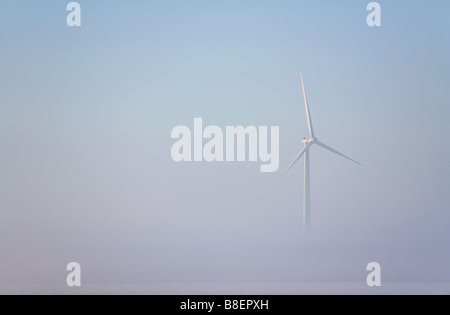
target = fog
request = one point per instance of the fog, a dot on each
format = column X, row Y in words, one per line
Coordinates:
column 86, row 116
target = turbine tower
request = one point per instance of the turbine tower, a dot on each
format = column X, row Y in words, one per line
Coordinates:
column 307, row 144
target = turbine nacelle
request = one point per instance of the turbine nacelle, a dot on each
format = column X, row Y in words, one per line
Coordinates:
column 309, row 140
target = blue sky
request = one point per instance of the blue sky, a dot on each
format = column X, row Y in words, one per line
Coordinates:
column 86, row 115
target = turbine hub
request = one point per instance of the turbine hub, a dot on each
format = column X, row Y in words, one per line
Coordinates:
column 308, row 141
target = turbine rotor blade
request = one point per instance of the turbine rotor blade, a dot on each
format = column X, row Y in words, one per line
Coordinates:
column 297, row 158
column 334, row 151
column 308, row 115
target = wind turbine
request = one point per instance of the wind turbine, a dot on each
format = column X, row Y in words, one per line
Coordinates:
column 307, row 144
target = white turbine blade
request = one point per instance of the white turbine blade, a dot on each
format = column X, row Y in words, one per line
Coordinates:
column 334, row 151
column 308, row 115
column 296, row 158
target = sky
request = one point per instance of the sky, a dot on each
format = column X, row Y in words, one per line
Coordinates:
column 86, row 115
